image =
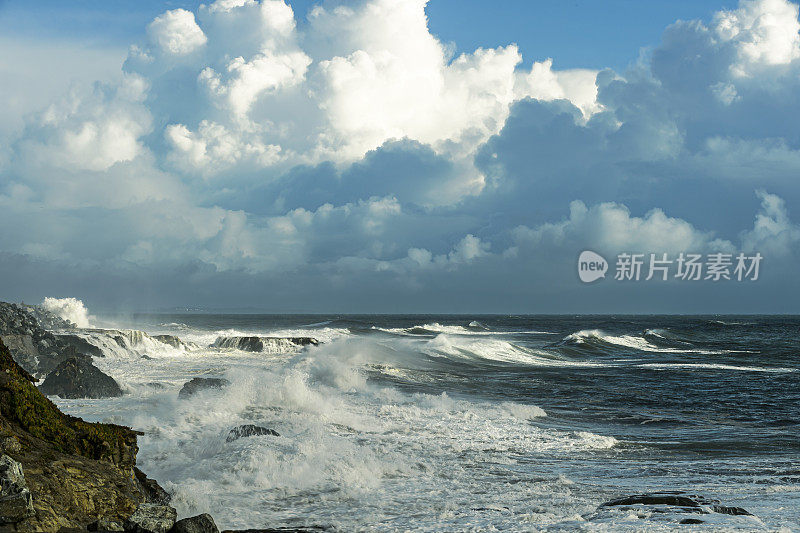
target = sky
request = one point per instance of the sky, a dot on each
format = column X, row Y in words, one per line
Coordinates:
column 398, row 156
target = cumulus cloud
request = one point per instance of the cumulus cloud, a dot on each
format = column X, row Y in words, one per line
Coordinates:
column 176, row 32
column 356, row 148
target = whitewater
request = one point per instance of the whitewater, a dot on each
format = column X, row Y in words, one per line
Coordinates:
column 455, row 423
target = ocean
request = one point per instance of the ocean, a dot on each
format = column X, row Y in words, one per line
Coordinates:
column 464, row 423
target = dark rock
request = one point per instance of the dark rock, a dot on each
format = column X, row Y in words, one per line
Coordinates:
column 80, row 345
column 74, row 470
column 735, row 511
column 197, row 524
column 674, row 499
column 265, row 344
column 691, row 521
column 150, row 489
column 77, row 377
column 249, row 430
column 151, row 518
column 175, row 342
column 16, row 502
column 197, row 384
column 677, row 502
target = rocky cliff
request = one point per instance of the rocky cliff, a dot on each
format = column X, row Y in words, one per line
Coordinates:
column 76, row 471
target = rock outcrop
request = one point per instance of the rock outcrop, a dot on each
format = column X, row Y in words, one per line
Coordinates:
column 16, row 502
column 33, row 347
column 151, row 518
column 203, row 523
column 195, row 385
column 265, row 344
column 76, row 472
column 249, row 430
column 77, row 377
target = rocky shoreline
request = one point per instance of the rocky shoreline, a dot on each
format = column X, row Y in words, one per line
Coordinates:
column 59, row 473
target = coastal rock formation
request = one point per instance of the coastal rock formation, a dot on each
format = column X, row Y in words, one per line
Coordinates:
column 16, row 502
column 151, row 518
column 249, row 430
column 197, row 524
column 197, row 384
column 75, row 471
column 678, row 500
column 674, row 506
column 175, row 342
column 77, row 377
column 34, row 348
column 265, row 344
column 80, row 344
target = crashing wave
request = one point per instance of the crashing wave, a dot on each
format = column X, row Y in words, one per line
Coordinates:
column 122, row 344
column 265, row 344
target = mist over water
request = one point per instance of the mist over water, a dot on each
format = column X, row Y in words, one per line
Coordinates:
column 445, row 423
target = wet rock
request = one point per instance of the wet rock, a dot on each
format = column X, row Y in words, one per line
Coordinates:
column 197, row 524
column 80, row 345
column 151, row 518
column 249, row 430
column 77, row 377
column 16, row 502
column 150, row 489
column 265, row 344
column 197, row 384
column 175, row 342
column 673, row 505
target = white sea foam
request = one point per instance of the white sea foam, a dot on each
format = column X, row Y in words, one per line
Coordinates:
column 341, row 438
column 70, row 309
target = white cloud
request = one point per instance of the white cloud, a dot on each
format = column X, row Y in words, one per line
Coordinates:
column 610, row 227
column 764, row 32
column 176, row 32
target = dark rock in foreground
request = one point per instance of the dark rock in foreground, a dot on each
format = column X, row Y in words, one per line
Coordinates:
column 77, row 377
column 197, row 524
column 75, row 471
column 197, row 384
column 249, row 430
column 151, row 518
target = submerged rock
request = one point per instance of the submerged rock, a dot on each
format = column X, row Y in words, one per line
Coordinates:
column 197, row 524
column 77, row 377
column 678, row 500
column 249, row 430
column 16, row 502
column 673, row 507
column 197, row 384
column 151, row 518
